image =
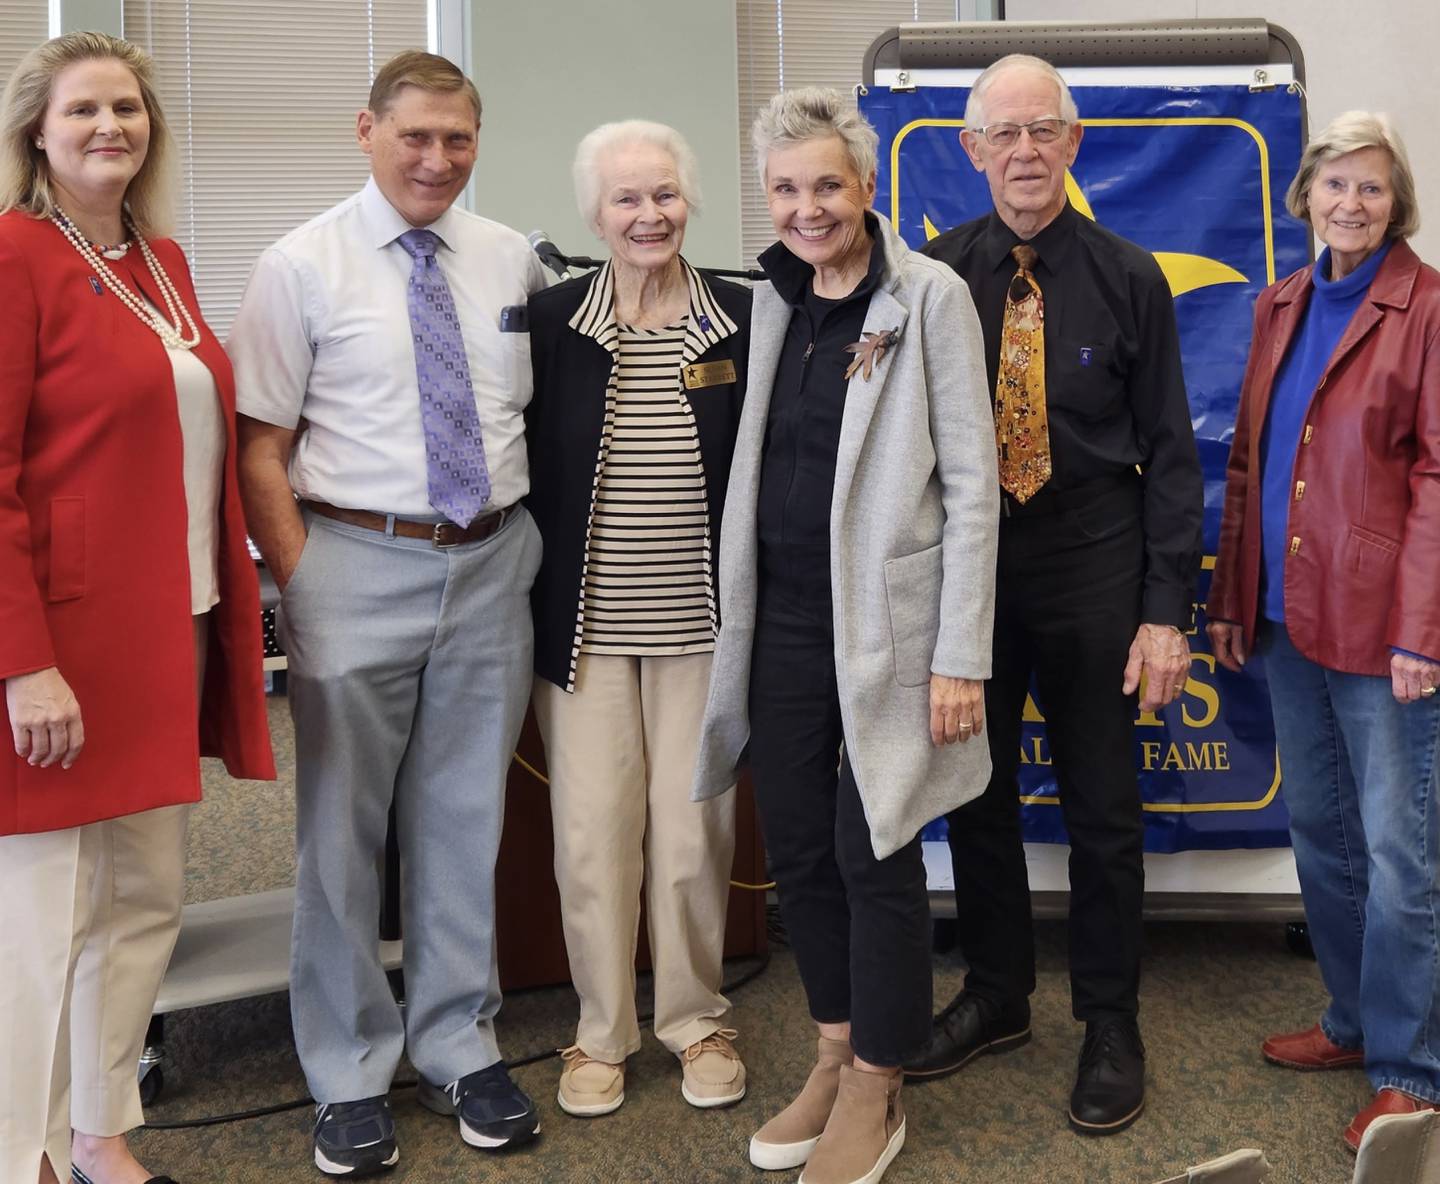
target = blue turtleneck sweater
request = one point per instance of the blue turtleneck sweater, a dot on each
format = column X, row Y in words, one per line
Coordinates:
column 1332, row 304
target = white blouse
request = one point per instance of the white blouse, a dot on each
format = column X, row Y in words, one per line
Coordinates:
column 202, row 431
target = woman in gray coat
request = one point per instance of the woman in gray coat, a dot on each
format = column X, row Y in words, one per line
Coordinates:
column 857, row 562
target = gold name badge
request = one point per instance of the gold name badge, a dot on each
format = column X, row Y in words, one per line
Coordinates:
column 709, row 374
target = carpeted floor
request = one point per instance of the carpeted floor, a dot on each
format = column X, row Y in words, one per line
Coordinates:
column 1211, row 992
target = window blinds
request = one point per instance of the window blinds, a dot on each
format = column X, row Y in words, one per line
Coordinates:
column 24, row 24
column 261, row 97
column 784, row 44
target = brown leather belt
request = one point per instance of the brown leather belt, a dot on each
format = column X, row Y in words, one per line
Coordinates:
column 440, row 534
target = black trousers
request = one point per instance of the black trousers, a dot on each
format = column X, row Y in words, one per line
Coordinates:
column 859, row 926
column 1067, row 607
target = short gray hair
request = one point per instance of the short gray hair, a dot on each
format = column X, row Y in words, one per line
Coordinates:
column 609, row 137
column 1348, row 133
column 975, row 104
column 813, row 113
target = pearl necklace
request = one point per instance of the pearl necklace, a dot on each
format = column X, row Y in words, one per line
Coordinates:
column 168, row 330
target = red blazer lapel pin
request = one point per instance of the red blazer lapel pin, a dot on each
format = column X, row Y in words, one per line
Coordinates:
column 870, row 351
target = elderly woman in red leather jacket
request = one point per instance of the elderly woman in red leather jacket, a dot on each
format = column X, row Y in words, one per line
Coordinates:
column 1329, row 549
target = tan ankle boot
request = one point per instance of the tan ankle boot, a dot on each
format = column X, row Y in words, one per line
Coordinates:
column 865, row 1132
column 787, row 1139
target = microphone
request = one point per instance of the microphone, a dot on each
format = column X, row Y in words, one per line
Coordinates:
column 549, row 253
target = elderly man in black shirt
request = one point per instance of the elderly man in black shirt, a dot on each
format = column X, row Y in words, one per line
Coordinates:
column 1099, row 545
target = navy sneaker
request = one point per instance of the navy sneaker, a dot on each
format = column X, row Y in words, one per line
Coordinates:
column 493, row 1111
column 355, row 1138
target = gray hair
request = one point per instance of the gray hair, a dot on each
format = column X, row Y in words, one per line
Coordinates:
column 812, row 113
column 1348, row 133
column 609, row 137
column 975, row 104
column 25, row 170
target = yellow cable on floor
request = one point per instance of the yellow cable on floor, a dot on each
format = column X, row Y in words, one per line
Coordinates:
column 544, row 780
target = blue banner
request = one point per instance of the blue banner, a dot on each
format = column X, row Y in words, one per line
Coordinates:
column 1196, row 175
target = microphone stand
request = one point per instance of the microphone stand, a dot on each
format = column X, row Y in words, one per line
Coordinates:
column 746, row 274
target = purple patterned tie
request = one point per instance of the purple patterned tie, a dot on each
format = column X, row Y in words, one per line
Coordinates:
column 454, row 451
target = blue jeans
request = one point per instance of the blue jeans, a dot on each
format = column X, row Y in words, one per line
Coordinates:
column 1360, row 779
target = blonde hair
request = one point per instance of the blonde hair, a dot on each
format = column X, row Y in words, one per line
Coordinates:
column 425, row 71
column 25, row 182
column 1348, row 133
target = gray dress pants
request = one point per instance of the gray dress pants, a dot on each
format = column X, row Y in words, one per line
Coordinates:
column 410, row 668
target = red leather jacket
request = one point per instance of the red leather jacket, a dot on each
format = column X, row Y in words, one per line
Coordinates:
column 1363, row 562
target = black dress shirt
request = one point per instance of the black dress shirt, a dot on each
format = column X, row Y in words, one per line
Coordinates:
column 1114, row 390
column 807, row 405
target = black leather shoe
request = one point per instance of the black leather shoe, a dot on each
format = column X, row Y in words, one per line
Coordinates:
column 967, row 1028
column 1110, row 1084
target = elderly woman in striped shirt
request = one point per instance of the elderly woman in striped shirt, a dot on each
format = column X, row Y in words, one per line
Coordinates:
column 639, row 378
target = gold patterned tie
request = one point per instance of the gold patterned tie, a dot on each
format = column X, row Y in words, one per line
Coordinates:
column 1022, row 430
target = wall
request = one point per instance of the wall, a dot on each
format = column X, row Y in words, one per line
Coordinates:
column 1378, row 56
column 100, row 15
column 550, row 70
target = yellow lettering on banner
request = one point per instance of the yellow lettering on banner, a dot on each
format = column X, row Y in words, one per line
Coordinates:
column 1211, row 756
column 1203, row 691
column 1195, row 689
column 1031, row 713
column 1035, row 751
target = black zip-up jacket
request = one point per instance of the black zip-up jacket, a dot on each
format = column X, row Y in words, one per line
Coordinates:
column 802, row 432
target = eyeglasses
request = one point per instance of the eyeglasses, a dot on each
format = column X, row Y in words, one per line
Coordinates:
column 1007, row 135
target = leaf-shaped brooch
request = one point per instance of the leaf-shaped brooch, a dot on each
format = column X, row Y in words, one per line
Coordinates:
column 870, row 351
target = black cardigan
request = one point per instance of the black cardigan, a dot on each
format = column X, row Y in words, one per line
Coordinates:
column 562, row 432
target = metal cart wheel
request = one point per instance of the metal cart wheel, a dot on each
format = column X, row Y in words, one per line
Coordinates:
column 152, row 1077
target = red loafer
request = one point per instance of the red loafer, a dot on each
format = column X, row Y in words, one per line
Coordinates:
column 1310, row 1051
column 1387, row 1101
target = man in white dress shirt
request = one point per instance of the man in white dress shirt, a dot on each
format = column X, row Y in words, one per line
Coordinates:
column 383, row 368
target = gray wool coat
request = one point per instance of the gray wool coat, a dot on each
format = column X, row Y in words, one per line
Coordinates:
column 913, row 525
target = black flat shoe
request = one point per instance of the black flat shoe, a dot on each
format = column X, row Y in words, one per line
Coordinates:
column 968, row 1028
column 1109, row 1089
column 79, row 1177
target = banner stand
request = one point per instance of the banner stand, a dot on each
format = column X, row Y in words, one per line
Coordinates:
column 1193, row 131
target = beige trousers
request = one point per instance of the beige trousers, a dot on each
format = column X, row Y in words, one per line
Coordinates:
column 621, row 754
column 88, row 920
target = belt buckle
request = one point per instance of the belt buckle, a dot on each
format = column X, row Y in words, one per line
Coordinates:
column 438, row 535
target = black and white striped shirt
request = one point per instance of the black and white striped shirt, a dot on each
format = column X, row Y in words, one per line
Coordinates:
column 648, row 586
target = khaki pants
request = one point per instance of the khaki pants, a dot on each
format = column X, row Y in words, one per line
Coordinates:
column 621, row 753
column 88, row 920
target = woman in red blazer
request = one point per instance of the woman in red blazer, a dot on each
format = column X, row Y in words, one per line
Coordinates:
column 1329, row 556
column 128, row 601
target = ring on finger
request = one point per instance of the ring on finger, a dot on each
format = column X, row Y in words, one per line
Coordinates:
column 1427, row 691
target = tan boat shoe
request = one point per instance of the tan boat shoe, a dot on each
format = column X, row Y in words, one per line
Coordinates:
column 865, row 1132
column 589, row 1088
column 787, row 1139
column 712, row 1073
